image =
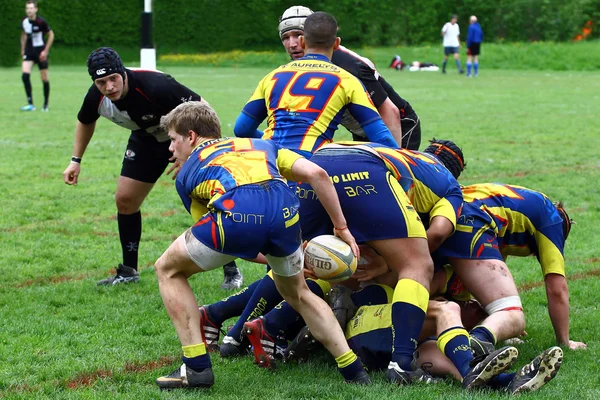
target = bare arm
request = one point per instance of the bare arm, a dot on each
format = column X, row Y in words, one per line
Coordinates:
column 391, row 117
column 23, row 41
column 557, row 292
column 44, row 53
column 83, row 135
column 50, row 41
column 440, row 228
column 306, row 171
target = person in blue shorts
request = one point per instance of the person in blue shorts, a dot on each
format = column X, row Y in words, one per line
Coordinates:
column 498, row 221
column 236, row 191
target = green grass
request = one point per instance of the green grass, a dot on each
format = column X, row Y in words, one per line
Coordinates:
column 579, row 56
column 63, row 337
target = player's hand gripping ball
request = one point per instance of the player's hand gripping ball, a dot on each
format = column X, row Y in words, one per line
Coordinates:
column 330, row 258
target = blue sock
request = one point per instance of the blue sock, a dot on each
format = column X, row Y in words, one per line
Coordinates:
column 196, row 357
column 444, row 65
column 198, row 363
column 482, row 333
column 458, row 65
column 454, row 343
column 231, row 306
column 501, row 381
column 476, row 68
column 264, row 298
column 283, row 320
column 469, row 68
column 349, row 365
column 408, row 315
column 370, row 295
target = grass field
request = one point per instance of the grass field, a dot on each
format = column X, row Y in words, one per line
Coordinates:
column 61, row 336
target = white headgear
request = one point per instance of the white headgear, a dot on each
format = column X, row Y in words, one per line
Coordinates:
column 293, row 18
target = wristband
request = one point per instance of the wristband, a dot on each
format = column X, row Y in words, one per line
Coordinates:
column 76, row 159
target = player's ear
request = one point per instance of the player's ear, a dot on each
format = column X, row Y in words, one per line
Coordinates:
column 336, row 44
column 192, row 137
column 302, row 42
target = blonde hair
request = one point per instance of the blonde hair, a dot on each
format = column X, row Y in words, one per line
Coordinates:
column 197, row 116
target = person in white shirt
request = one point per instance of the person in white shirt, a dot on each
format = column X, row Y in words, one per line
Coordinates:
column 451, row 33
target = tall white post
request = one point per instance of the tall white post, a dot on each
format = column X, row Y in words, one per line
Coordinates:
column 148, row 52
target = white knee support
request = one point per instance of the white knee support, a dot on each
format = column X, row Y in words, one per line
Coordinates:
column 510, row 303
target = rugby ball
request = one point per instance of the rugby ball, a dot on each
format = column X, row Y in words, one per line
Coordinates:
column 330, row 258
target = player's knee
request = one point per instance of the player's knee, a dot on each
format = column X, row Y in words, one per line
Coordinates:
column 450, row 307
column 513, row 308
column 126, row 204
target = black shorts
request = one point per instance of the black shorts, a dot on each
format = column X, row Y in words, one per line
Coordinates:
column 411, row 131
column 146, row 158
column 33, row 54
column 474, row 49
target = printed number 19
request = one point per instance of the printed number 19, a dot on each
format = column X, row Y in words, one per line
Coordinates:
column 316, row 87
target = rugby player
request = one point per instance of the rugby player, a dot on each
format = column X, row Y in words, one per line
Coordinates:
column 135, row 100
column 35, row 50
column 369, row 334
column 396, row 112
column 236, row 191
column 434, row 194
column 381, row 215
column 499, row 220
column 303, row 101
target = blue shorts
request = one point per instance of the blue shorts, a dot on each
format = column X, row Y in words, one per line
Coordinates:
column 373, row 202
column 450, row 50
column 251, row 219
column 475, row 237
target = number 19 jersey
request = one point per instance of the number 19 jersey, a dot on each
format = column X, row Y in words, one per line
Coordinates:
column 304, row 101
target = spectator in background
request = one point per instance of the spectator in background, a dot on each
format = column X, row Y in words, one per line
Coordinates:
column 451, row 33
column 474, row 39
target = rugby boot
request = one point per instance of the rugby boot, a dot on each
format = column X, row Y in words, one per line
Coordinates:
column 484, row 368
column 361, row 379
column 28, row 107
column 538, row 372
column 397, row 375
column 232, row 277
column 266, row 347
column 301, row 346
column 210, row 331
column 342, row 305
column 124, row 274
column 480, row 347
column 232, row 348
column 186, row 377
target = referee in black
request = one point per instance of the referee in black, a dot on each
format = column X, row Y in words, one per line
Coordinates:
column 135, row 100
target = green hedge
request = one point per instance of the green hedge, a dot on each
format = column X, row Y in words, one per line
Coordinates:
column 203, row 26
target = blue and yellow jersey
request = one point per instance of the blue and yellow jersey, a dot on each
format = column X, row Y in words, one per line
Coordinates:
column 526, row 222
column 304, row 101
column 219, row 165
column 431, row 188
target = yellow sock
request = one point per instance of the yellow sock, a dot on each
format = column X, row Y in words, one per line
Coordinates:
column 346, row 359
column 194, row 350
column 411, row 292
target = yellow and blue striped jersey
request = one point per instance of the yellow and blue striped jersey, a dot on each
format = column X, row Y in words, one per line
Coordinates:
column 526, row 222
column 304, row 101
column 219, row 165
column 431, row 188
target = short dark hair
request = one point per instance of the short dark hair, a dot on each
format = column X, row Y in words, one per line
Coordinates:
column 320, row 30
column 32, row 2
column 449, row 154
column 567, row 221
